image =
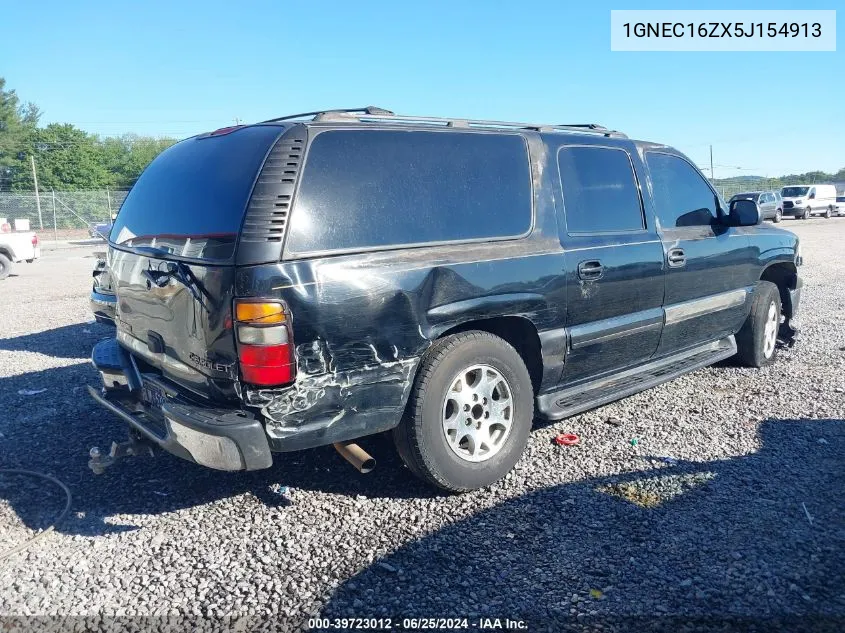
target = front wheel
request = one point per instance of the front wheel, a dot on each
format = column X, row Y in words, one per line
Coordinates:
column 756, row 342
column 469, row 414
column 807, row 213
column 778, row 216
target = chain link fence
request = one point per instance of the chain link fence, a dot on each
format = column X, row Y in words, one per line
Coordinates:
column 61, row 214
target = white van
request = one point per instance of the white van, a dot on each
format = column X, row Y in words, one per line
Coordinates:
column 802, row 201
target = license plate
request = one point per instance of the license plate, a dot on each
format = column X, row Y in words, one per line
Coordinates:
column 152, row 395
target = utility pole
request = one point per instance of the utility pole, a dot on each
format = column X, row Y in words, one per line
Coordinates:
column 37, row 197
column 55, row 232
column 237, row 121
column 712, row 177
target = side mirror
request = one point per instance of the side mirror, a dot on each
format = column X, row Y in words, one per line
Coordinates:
column 744, row 213
column 812, row 195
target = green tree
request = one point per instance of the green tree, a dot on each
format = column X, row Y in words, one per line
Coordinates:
column 66, row 158
column 127, row 156
column 17, row 121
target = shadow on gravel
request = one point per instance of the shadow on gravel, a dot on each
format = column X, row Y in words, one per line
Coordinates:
column 48, row 423
column 69, row 341
column 52, row 432
column 710, row 541
column 705, row 540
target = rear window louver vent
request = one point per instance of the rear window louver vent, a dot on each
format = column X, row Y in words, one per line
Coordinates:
column 269, row 207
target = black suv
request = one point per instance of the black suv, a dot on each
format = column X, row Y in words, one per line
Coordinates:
column 315, row 279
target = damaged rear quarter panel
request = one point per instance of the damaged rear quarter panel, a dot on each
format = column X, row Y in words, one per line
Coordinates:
column 361, row 323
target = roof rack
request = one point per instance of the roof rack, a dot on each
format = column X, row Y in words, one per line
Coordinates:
column 314, row 115
column 375, row 114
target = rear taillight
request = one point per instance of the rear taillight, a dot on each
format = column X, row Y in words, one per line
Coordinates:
column 34, row 239
column 265, row 342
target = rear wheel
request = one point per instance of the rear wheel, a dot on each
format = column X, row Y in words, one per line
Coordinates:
column 778, row 216
column 757, row 340
column 469, row 415
column 5, row 266
column 827, row 212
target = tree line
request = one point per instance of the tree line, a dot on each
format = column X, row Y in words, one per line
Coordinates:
column 66, row 158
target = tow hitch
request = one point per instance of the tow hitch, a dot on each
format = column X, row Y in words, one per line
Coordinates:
column 133, row 447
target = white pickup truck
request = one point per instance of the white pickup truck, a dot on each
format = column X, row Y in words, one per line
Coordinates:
column 16, row 246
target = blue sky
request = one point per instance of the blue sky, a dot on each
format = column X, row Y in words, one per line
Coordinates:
column 178, row 68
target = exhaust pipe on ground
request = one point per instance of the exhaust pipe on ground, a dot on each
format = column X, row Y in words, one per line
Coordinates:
column 355, row 455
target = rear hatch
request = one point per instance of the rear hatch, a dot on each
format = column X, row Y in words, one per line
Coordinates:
column 172, row 257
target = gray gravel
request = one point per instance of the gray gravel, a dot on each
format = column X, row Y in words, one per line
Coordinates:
column 591, row 535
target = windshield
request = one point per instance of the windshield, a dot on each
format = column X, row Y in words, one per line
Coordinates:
column 746, row 196
column 191, row 200
column 794, row 192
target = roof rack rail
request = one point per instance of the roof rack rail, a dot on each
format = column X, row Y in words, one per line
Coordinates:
column 375, row 114
column 366, row 110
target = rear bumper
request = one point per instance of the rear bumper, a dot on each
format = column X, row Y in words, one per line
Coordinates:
column 219, row 438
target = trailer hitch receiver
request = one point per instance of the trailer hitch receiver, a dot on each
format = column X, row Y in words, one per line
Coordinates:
column 132, row 447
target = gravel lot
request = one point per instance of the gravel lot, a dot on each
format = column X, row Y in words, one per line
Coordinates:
column 747, row 523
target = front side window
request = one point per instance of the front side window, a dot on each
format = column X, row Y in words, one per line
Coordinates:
column 600, row 193
column 681, row 195
column 364, row 189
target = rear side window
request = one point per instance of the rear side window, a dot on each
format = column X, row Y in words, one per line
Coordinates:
column 600, row 193
column 681, row 195
column 379, row 188
column 191, row 200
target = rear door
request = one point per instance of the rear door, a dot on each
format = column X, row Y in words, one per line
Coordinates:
column 766, row 204
column 710, row 266
column 613, row 263
column 172, row 253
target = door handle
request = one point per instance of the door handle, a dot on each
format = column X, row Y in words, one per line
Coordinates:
column 676, row 257
column 590, row 270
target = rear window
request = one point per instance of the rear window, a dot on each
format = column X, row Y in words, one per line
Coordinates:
column 381, row 188
column 600, row 193
column 746, row 196
column 191, row 200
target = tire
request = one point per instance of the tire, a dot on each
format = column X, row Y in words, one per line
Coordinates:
column 5, row 266
column 756, row 342
column 778, row 216
column 827, row 213
column 450, row 459
column 807, row 213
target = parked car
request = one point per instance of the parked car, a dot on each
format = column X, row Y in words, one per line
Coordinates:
column 360, row 272
column 840, row 205
column 770, row 203
column 15, row 247
column 103, row 299
column 804, row 201
column 99, row 230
